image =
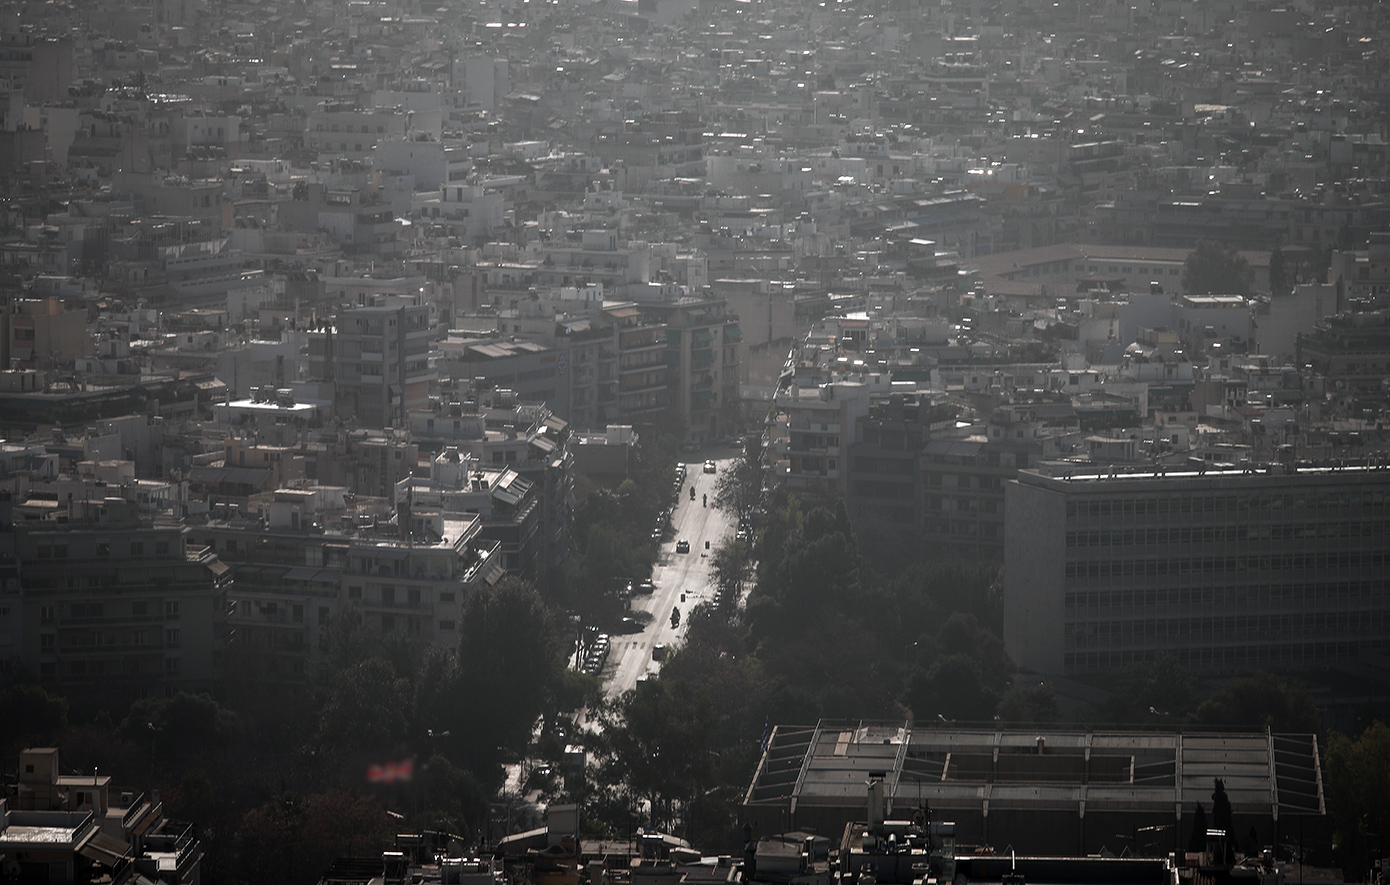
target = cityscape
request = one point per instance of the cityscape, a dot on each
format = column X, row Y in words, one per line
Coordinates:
column 694, row 442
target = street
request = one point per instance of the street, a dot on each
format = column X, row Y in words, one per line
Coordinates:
column 630, row 656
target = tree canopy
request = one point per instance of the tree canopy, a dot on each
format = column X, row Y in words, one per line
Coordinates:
column 1216, row 269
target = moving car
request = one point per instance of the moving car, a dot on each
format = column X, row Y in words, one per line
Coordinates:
column 709, row 466
column 682, row 546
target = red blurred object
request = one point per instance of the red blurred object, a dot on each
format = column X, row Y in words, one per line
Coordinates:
column 391, row 772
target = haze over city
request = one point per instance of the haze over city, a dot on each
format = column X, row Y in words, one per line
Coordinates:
column 694, row 442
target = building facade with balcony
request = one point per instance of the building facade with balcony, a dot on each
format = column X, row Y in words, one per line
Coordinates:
column 378, row 359
column 702, row 361
column 115, row 604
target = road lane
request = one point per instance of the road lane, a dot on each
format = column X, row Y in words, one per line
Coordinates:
column 630, row 657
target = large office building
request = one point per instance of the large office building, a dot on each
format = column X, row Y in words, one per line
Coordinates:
column 1275, row 567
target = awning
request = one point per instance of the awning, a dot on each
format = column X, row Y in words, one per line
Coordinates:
column 105, row 850
column 733, row 333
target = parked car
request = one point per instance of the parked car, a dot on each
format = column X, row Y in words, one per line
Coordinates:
column 646, row 587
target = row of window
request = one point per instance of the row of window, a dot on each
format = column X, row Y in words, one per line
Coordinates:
column 1159, row 568
column 1252, row 503
column 48, row 670
column 48, row 642
column 347, row 128
column 1229, row 628
column 1227, row 534
column 388, row 595
column 1229, row 657
column 48, row 614
column 102, row 550
column 1265, row 596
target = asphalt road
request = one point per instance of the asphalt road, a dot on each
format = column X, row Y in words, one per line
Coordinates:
column 630, row 656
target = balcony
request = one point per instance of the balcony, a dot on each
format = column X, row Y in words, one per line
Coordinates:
column 701, row 357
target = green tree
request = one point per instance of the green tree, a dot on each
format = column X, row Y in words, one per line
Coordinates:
column 182, row 725
column 292, row 839
column 1278, row 274
column 1358, row 794
column 658, row 740
column 962, row 672
column 1158, row 688
column 731, row 567
column 1216, row 269
column 347, row 640
column 32, row 715
column 1033, row 704
column 1261, row 700
column 509, row 661
column 739, row 489
column 365, row 714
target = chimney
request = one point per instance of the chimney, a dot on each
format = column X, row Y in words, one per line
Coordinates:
column 876, row 792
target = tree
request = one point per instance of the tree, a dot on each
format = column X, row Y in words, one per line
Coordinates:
column 1197, row 841
column 293, row 838
column 1032, row 704
column 347, row 639
column 184, row 724
column 31, row 715
column 509, row 662
column 1216, row 269
column 1278, row 274
column 730, row 568
column 1158, row 688
column 366, row 712
column 1358, row 794
column 1261, row 701
column 658, row 743
column 739, row 489
column 1222, row 819
column 961, row 673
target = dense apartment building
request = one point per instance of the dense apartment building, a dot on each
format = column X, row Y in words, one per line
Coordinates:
column 702, row 359
column 508, row 505
column 306, row 556
column 114, row 604
column 1224, row 569
column 378, row 360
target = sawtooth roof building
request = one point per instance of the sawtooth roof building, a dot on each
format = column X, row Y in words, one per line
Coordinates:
column 1041, row 792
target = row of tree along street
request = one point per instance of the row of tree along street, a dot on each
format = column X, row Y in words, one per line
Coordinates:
column 810, row 619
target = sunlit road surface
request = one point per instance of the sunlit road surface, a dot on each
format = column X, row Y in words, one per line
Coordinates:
column 630, row 656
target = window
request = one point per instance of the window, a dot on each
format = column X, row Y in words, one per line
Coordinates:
column 388, row 595
column 171, row 609
column 47, row 642
column 297, row 613
column 161, row 548
column 137, row 548
column 171, row 638
column 388, row 623
column 139, row 609
column 412, row 596
column 45, row 551
column 446, row 625
column 446, row 596
column 171, row 666
column 47, row 614
column 103, row 549
column 354, row 593
column 323, row 614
